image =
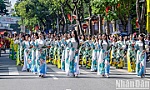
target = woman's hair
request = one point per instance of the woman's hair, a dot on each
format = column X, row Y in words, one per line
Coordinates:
column 121, row 37
column 29, row 35
column 70, row 35
column 142, row 35
column 66, row 37
column 96, row 38
column 105, row 39
column 100, row 35
column 148, row 37
column 108, row 37
column 115, row 38
column 84, row 37
column 58, row 37
column 36, row 34
column 76, row 37
column 23, row 36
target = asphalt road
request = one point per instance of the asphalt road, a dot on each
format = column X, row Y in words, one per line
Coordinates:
column 12, row 78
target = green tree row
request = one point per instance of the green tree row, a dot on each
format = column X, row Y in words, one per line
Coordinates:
column 3, row 9
column 46, row 13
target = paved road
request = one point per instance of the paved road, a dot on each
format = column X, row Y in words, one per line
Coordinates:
column 11, row 78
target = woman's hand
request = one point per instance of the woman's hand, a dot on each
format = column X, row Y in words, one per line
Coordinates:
column 31, row 46
column 76, row 51
column 106, row 52
column 121, row 48
column 41, row 61
column 68, row 51
column 143, row 52
column 40, row 50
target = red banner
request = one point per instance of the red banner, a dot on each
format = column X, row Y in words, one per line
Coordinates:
column 85, row 26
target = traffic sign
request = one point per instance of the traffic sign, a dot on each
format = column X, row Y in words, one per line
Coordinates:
column 85, row 26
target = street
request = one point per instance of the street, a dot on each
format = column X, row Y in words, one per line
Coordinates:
column 12, row 78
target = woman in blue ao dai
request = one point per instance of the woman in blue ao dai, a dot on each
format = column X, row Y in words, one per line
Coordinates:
column 67, row 48
column 26, row 46
column 21, row 52
column 29, row 62
column 103, row 60
column 33, row 51
column 95, row 54
column 141, row 56
column 41, row 56
column 64, row 44
column 74, row 55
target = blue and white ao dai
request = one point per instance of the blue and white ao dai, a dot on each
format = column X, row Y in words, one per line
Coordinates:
column 103, row 60
column 140, row 59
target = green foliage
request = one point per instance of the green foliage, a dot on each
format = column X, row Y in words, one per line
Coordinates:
column 119, row 9
column 99, row 7
column 41, row 12
column 3, row 7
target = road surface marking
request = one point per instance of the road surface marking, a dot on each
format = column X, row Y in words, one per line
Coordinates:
column 59, row 72
column 68, row 89
column 13, row 71
column 53, row 76
column 54, row 72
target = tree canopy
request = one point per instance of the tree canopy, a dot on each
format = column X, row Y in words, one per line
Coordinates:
column 47, row 13
column 3, row 9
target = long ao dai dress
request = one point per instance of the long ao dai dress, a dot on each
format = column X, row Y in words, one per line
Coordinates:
column 29, row 62
column 95, row 55
column 34, row 66
column 40, row 57
column 113, row 53
column 67, row 48
column 140, row 59
column 103, row 60
column 63, row 45
column 26, row 50
column 131, row 44
column 21, row 50
column 73, row 58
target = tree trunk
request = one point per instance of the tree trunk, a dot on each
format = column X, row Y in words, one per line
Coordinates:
column 42, row 22
column 100, row 24
column 113, row 22
column 78, row 21
column 90, row 21
column 107, row 28
column 140, row 14
column 64, row 20
column 142, row 18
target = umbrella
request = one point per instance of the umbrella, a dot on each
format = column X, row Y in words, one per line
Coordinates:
column 123, row 34
column 116, row 32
